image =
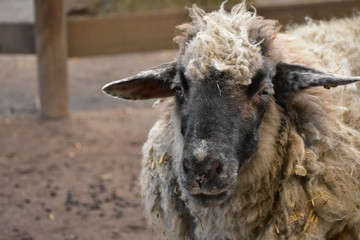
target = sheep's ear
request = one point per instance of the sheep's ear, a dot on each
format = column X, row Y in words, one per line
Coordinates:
column 291, row 77
column 153, row 83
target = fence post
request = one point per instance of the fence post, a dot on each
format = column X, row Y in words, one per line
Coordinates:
column 52, row 52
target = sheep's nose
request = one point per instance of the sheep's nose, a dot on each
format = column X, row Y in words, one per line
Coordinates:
column 202, row 171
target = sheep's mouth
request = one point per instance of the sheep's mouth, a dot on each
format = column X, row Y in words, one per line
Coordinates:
column 208, row 199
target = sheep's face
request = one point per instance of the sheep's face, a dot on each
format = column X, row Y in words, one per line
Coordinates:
column 223, row 81
column 222, row 87
column 220, row 119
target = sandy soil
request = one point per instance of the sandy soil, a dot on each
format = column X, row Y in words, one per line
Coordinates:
column 77, row 178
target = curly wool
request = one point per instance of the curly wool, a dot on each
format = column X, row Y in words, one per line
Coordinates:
column 222, row 46
column 304, row 180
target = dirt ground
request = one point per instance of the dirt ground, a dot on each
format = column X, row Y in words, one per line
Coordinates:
column 77, row 178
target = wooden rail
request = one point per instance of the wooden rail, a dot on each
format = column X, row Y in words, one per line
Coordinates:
column 17, row 38
column 89, row 36
column 58, row 37
column 119, row 34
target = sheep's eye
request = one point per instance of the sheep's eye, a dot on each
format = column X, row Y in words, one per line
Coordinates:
column 180, row 86
column 179, row 92
column 177, row 89
column 267, row 91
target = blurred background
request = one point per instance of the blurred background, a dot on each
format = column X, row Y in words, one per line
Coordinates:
column 69, row 154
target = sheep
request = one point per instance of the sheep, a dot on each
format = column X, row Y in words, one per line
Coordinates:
column 253, row 141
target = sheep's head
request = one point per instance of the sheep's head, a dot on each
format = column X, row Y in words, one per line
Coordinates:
column 222, row 81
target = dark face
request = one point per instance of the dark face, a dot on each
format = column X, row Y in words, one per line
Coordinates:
column 219, row 122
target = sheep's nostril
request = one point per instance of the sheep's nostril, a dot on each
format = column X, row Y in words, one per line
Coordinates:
column 215, row 168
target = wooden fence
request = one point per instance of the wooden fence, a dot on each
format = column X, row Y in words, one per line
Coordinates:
column 54, row 37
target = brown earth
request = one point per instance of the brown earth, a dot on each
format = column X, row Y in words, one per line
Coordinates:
column 77, row 178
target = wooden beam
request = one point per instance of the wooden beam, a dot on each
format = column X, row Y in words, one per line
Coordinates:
column 296, row 12
column 119, row 34
column 51, row 46
column 91, row 36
